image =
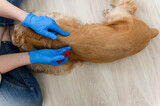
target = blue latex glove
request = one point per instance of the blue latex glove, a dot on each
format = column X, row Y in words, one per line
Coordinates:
column 43, row 25
column 48, row 56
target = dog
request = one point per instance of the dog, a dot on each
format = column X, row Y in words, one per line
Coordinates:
column 119, row 36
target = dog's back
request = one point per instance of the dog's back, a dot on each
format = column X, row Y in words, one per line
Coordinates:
column 109, row 42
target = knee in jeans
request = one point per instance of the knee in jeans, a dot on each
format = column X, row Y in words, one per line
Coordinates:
column 32, row 100
column 35, row 100
column 24, row 100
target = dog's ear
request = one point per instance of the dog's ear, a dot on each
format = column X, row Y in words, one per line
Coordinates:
column 118, row 19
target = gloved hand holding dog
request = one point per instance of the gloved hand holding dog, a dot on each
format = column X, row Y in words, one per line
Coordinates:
column 48, row 56
column 43, row 25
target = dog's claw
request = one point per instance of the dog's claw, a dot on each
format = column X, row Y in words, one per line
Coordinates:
column 106, row 12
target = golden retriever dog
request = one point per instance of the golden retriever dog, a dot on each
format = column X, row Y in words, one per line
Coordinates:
column 119, row 36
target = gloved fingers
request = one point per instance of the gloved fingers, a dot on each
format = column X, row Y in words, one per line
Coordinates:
column 54, row 32
column 58, row 58
column 63, row 49
column 60, row 31
column 64, row 61
column 49, row 34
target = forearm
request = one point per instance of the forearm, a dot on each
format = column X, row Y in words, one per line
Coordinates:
column 12, row 61
column 10, row 11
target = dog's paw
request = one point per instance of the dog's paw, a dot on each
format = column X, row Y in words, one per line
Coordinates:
column 129, row 5
column 107, row 11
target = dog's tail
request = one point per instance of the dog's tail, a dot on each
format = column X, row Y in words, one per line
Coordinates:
column 155, row 32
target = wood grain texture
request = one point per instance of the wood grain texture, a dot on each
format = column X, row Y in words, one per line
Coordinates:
column 133, row 81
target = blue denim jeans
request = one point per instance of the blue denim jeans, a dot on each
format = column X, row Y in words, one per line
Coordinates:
column 6, row 21
column 18, row 87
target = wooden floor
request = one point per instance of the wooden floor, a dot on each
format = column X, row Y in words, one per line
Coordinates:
column 133, row 81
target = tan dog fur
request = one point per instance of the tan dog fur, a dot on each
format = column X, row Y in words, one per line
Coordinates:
column 121, row 35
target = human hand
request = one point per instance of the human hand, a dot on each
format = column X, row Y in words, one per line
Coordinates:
column 43, row 25
column 48, row 56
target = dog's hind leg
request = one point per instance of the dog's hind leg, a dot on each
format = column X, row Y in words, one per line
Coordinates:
column 123, row 9
column 129, row 5
column 122, row 14
column 113, row 4
column 121, row 5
